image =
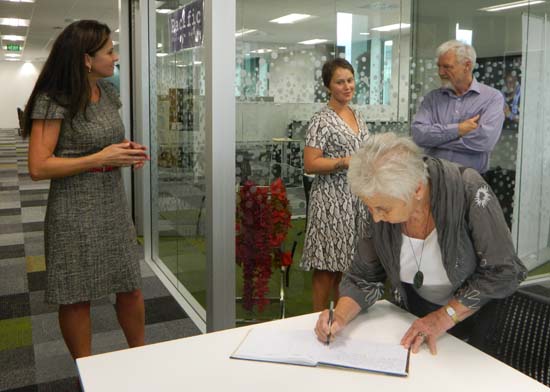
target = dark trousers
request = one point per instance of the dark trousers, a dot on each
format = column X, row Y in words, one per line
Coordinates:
column 472, row 330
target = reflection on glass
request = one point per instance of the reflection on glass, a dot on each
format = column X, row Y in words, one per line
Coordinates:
column 512, row 45
column 177, row 140
column 278, row 88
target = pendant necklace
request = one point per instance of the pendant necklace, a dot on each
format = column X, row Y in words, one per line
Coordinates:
column 418, row 279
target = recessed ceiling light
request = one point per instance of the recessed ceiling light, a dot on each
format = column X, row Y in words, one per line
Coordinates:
column 396, row 26
column 12, row 55
column 14, row 22
column 163, row 10
column 507, row 6
column 364, row 33
column 313, row 41
column 21, row 1
column 242, row 32
column 282, row 47
column 162, row 54
column 260, row 51
column 159, row 45
column 11, row 59
column 13, row 37
column 290, row 18
column 197, row 62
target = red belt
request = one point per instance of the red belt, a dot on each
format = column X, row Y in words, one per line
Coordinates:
column 101, row 169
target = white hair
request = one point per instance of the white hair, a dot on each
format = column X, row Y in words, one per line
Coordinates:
column 462, row 51
column 388, row 165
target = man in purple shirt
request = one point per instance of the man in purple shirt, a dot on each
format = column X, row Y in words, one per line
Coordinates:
column 462, row 120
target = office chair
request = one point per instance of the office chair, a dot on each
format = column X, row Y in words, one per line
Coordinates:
column 520, row 334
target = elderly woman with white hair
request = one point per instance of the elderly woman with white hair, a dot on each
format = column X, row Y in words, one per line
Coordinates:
column 436, row 232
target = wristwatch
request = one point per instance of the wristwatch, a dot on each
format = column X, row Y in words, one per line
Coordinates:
column 452, row 313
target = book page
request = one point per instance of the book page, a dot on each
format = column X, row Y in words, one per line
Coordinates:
column 301, row 347
column 377, row 357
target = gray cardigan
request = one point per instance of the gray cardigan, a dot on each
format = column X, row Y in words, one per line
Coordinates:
column 476, row 245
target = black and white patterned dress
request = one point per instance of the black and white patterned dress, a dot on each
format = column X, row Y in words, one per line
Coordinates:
column 335, row 216
column 90, row 240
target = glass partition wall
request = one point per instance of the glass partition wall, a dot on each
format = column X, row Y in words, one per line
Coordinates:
column 277, row 85
column 278, row 88
column 178, row 187
column 512, row 56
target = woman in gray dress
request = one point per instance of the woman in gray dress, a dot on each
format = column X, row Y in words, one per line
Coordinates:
column 334, row 214
column 77, row 141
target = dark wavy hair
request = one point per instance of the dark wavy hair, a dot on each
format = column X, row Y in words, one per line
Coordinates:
column 330, row 66
column 64, row 75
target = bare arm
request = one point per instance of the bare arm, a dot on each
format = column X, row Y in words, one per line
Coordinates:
column 315, row 163
column 44, row 165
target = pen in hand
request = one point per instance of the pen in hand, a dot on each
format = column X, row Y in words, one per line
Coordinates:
column 330, row 317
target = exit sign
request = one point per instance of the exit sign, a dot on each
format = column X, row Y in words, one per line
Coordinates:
column 13, row 47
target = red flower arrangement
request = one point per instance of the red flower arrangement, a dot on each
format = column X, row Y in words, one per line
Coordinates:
column 263, row 220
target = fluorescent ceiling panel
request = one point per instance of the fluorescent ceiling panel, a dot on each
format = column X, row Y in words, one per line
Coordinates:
column 242, row 32
column 290, row 18
column 313, row 41
column 392, row 27
column 14, row 22
column 515, row 4
column 13, row 37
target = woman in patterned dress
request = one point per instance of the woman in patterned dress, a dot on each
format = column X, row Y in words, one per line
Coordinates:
column 334, row 214
column 77, row 141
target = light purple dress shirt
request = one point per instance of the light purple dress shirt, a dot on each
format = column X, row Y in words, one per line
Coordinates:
column 435, row 125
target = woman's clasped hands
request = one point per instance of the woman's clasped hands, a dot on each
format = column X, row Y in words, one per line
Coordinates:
column 127, row 153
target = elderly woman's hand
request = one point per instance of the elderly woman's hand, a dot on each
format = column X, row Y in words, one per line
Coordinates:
column 321, row 328
column 427, row 329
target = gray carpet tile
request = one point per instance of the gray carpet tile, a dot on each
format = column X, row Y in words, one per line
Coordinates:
column 10, row 220
column 17, row 368
column 33, row 214
column 10, row 196
column 33, row 203
column 33, row 226
column 35, row 248
column 37, row 280
column 8, row 188
column 8, row 228
column 11, row 239
column 54, row 367
column 45, row 328
column 38, row 306
column 175, row 329
column 9, row 204
column 14, row 306
column 47, row 366
column 153, row 288
column 10, row 212
column 11, row 251
column 13, row 278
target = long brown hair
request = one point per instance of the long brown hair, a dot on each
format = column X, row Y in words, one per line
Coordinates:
column 64, row 75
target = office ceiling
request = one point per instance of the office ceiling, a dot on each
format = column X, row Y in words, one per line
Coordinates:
column 49, row 17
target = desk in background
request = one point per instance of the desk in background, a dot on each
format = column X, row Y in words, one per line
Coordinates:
column 201, row 363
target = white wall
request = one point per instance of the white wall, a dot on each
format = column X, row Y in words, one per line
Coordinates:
column 17, row 80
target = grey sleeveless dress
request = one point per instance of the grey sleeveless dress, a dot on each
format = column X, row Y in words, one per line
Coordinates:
column 90, row 240
column 335, row 217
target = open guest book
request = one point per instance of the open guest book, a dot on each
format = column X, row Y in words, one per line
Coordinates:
column 301, row 347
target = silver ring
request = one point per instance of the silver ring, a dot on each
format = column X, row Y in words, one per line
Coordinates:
column 421, row 334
